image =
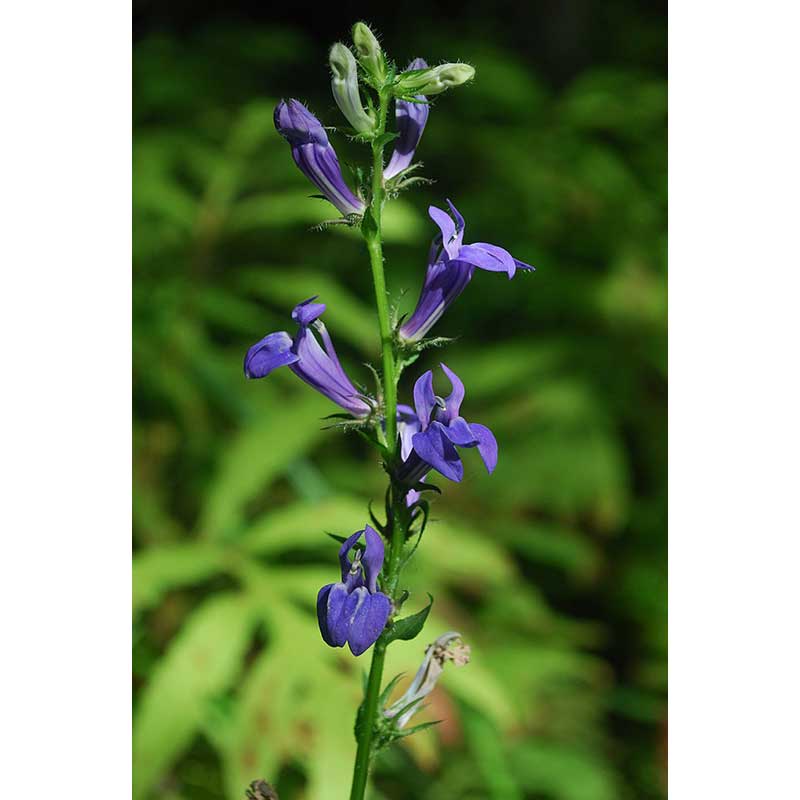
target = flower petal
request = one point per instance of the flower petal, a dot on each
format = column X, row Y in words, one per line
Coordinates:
column 445, row 223
column 460, row 224
column 322, row 612
column 314, row 154
column 487, row 256
column 316, row 367
column 273, row 351
column 347, row 545
column 424, row 398
column 523, row 266
column 411, row 120
column 298, row 125
column 459, row 432
column 444, row 282
column 373, row 558
column 456, row 396
column 487, row 445
column 306, row 312
column 321, row 166
column 338, row 615
column 433, row 447
column 368, row 619
column 407, row 426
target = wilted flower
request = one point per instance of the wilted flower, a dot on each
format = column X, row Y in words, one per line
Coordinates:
column 318, row 366
column 411, row 119
column 437, row 430
column 353, row 610
column 315, row 155
column 451, row 265
column 448, row 647
column 344, row 85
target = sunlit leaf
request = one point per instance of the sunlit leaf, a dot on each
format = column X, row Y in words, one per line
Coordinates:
column 202, row 661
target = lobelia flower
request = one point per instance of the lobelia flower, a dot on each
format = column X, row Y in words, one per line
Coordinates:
column 316, row 364
column 436, row 428
column 315, row 155
column 411, row 119
column 448, row 647
column 451, row 265
column 353, row 610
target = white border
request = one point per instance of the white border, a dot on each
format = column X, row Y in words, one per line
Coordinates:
column 66, row 299
column 734, row 266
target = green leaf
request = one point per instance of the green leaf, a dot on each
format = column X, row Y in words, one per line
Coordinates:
column 409, row 627
column 161, row 569
column 369, row 227
column 486, row 745
column 202, row 661
column 256, row 456
column 417, row 728
column 387, row 690
column 299, row 525
column 385, row 138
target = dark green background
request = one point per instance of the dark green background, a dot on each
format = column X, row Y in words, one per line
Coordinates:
column 554, row 568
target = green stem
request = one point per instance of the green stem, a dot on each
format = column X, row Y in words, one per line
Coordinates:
column 372, row 235
column 397, row 522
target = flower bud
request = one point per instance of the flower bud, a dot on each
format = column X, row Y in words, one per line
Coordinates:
column 369, row 52
column 434, row 80
column 344, row 84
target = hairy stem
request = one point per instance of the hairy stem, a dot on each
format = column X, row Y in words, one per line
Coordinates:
column 397, row 521
column 372, row 235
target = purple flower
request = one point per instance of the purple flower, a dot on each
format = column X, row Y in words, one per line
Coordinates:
column 411, row 119
column 451, row 265
column 316, row 364
column 353, row 610
column 315, row 155
column 407, row 426
column 430, row 440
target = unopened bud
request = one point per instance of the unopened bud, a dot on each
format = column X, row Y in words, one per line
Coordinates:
column 344, row 85
column 369, row 52
column 434, row 80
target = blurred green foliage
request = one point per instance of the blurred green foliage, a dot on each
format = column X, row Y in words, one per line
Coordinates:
column 553, row 569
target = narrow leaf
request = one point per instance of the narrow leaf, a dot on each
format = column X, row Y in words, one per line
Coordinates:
column 203, row 660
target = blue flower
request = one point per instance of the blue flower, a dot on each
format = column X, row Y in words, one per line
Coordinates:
column 429, row 436
column 353, row 610
column 411, row 119
column 315, row 155
column 318, row 366
column 451, row 265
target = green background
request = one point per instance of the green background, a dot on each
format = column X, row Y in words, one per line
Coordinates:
column 554, row 568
